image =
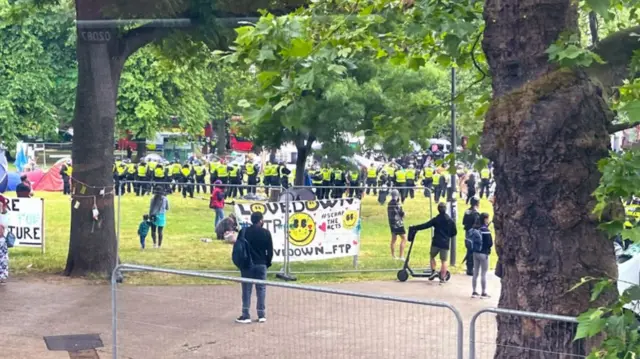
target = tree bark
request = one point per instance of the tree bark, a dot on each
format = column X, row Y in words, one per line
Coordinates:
column 593, row 28
column 545, row 132
column 303, row 146
column 141, row 149
column 221, row 135
column 92, row 246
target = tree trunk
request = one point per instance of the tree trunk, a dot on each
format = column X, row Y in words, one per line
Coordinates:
column 545, row 132
column 141, row 149
column 92, row 246
column 593, row 28
column 221, row 135
column 301, row 160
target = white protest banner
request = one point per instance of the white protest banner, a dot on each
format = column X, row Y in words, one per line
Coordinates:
column 25, row 220
column 317, row 229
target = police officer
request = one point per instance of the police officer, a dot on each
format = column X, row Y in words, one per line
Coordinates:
column 200, row 173
column 485, row 181
column 327, row 178
column 428, row 177
column 252, row 176
column 316, row 180
column 119, row 174
column 142, row 177
column 213, row 171
column 339, row 182
column 159, row 175
column 175, row 176
column 354, row 183
column 186, row 178
column 436, row 185
column 235, row 178
column 131, row 175
column 275, row 174
column 284, row 173
column 372, row 176
column 401, row 183
column 411, row 180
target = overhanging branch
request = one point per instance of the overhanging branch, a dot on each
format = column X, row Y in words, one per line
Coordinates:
column 616, row 50
column 621, row 127
column 135, row 39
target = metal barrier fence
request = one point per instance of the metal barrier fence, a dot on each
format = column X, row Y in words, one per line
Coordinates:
column 373, row 254
column 526, row 335
column 302, row 322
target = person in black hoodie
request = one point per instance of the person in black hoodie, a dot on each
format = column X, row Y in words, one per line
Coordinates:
column 481, row 257
column 261, row 246
column 468, row 221
column 443, row 229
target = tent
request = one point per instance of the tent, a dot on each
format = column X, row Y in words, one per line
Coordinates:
column 51, row 181
column 13, row 181
column 3, row 172
column 34, row 176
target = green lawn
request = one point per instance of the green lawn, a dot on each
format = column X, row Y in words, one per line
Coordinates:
column 189, row 220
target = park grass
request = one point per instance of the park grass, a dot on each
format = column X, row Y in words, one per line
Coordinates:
column 189, row 220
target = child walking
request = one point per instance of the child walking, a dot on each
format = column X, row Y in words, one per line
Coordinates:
column 143, row 229
column 481, row 256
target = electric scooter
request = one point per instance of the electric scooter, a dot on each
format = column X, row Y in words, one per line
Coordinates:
column 406, row 271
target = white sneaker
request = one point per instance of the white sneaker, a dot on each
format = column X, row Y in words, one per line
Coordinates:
column 155, row 246
column 401, row 259
column 262, row 320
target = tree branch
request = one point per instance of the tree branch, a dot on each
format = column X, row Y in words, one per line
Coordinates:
column 135, row 39
column 622, row 126
column 617, row 51
column 593, row 28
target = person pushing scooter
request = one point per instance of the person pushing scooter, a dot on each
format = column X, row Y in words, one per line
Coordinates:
column 443, row 229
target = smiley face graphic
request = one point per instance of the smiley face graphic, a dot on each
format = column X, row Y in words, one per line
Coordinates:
column 258, row 207
column 302, row 229
column 350, row 219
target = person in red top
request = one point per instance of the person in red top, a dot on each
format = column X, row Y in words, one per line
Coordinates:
column 217, row 201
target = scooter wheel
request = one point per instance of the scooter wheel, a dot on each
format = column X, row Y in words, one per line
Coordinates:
column 403, row 275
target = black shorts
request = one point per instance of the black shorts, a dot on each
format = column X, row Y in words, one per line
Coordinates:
column 398, row 230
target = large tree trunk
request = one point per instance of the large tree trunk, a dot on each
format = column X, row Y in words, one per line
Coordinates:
column 221, row 135
column 92, row 246
column 141, row 149
column 545, row 132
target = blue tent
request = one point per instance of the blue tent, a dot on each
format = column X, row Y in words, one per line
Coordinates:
column 13, row 179
column 3, row 172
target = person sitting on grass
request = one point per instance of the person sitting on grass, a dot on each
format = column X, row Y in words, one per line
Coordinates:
column 443, row 229
column 143, row 229
column 227, row 229
column 23, row 190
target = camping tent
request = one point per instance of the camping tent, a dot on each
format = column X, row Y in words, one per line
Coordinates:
column 51, row 181
column 13, row 181
column 3, row 172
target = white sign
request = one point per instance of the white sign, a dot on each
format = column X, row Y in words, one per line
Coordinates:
column 317, row 229
column 25, row 219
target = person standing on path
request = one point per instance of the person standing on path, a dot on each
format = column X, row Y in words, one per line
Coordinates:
column 481, row 257
column 443, row 229
column 261, row 251
column 157, row 213
column 468, row 221
column 396, row 223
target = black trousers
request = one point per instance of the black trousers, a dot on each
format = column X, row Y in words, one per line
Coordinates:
column 252, row 181
column 484, row 187
column 371, row 184
column 411, row 184
column 66, row 185
column 201, row 183
column 187, row 187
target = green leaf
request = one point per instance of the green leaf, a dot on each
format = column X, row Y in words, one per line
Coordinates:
column 339, row 69
column 281, row 104
column 451, row 43
column 599, row 288
column 601, row 7
column 416, row 63
column 381, row 53
column 267, row 78
column 590, row 323
column 571, row 52
column 300, row 48
column 443, row 60
column 244, row 103
column 633, row 293
column 632, row 109
column 266, row 54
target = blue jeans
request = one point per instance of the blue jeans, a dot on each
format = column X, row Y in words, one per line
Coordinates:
column 142, row 240
column 258, row 271
column 219, row 215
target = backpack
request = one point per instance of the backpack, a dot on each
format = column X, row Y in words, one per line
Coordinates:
column 241, row 253
column 10, row 238
column 473, row 240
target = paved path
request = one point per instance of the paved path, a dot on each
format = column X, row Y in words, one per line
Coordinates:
column 197, row 321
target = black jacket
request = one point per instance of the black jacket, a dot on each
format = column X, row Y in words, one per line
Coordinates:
column 261, row 245
column 487, row 240
column 443, row 230
column 469, row 219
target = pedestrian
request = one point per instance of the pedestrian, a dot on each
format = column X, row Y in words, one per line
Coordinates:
column 396, row 223
column 443, row 229
column 471, row 187
column 4, row 248
column 468, row 221
column 481, row 253
column 485, row 181
column 261, row 252
column 23, row 189
column 143, row 229
column 66, row 170
column 157, row 214
column 217, row 201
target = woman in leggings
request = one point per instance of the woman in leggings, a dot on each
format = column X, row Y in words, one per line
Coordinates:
column 481, row 257
column 157, row 213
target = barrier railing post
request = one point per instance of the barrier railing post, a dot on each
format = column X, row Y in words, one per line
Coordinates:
column 472, row 335
column 355, row 257
column 114, row 313
column 118, row 217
